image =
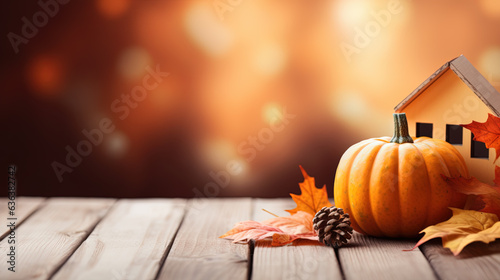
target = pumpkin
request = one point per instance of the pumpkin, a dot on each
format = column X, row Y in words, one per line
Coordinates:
column 394, row 187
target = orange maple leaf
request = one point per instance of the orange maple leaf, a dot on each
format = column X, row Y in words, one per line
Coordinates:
column 284, row 230
column 487, row 132
column 486, row 198
column 463, row 228
column 311, row 199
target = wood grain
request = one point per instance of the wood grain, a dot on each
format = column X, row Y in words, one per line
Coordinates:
column 198, row 253
column 133, row 238
column 377, row 258
column 129, row 243
column 476, row 261
column 304, row 260
column 49, row 237
column 25, row 206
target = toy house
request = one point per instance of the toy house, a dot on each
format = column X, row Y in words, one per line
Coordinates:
column 455, row 94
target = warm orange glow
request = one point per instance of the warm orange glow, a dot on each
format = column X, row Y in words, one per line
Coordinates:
column 269, row 59
column 112, row 8
column 217, row 152
column 45, row 75
column 165, row 97
column 491, row 8
column 238, row 71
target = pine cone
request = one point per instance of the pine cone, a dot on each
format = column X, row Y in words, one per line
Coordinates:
column 333, row 226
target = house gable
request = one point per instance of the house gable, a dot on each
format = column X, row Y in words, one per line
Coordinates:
column 447, row 101
column 469, row 75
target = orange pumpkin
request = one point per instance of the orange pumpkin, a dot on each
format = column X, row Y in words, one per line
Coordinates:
column 393, row 187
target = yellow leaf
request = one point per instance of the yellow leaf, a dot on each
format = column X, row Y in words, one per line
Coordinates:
column 463, row 228
column 311, row 199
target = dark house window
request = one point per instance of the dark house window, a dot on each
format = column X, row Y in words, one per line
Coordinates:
column 424, row 129
column 478, row 149
column 454, row 134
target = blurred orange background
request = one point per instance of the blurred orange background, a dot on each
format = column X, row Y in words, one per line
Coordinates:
column 254, row 88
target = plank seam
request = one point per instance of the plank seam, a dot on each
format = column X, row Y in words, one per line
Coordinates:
column 163, row 259
column 63, row 262
column 41, row 205
column 429, row 262
column 251, row 244
column 337, row 257
column 251, row 249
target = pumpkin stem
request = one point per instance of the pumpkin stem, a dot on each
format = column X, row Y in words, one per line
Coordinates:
column 401, row 134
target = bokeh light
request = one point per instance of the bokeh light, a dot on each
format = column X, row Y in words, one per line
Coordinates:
column 133, row 62
column 270, row 59
column 231, row 79
column 206, row 30
column 237, row 167
column 489, row 64
column 116, row 144
column 356, row 111
column 351, row 13
column 217, row 153
column 45, row 75
column 112, row 8
column 272, row 113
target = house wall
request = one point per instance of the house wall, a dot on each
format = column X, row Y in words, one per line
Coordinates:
column 450, row 101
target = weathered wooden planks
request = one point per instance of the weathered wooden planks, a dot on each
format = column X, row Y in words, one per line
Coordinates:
column 129, row 243
column 476, row 261
column 197, row 253
column 24, row 207
column 305, row 260
column 47, row 239
column 376, row 258
column 132, row 241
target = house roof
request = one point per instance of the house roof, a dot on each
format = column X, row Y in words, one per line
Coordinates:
column 469, row 75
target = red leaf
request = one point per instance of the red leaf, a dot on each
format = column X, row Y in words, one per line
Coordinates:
column 487, row 196
column 487, row 132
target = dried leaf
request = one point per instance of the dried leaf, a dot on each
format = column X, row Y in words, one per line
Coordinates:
column 299, row 223
column 487, row 132
column 282, row 230
column 311, row 199
column 463, row 228
column 247, row 230
column 486, row 197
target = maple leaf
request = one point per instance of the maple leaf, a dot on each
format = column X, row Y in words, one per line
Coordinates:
column 487, row 132
column 311, row 199
column 282, row 230
column 486, row 198
column 463, row 228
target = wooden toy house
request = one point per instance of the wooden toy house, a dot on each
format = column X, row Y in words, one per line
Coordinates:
column 455, row 94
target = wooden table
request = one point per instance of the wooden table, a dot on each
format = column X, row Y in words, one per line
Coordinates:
column 95, row 238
